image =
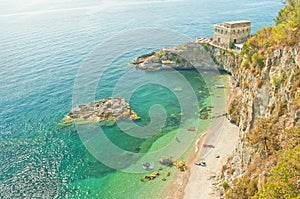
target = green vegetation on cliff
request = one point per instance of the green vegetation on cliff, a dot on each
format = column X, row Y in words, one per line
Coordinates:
column 286, row 33
column 284, row 177
column 268, row 110
column 274, row 170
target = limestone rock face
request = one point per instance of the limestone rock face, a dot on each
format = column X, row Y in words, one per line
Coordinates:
column 271, row 91
column 110, row 109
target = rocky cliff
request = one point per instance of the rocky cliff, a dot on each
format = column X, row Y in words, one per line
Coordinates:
column 270, row 89
column 265, row 105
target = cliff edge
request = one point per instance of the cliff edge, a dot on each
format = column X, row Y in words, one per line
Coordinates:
column 266, row 107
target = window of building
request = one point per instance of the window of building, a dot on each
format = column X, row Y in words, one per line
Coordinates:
column 221, row 31
column 219, row 40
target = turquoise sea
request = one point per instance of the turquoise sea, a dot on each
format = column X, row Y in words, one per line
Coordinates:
column 44, row 46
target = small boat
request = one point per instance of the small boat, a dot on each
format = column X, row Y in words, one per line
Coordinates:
column 147, row 166
column 220, row 86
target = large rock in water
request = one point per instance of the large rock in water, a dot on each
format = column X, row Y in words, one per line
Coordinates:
column 164, row 59
column 110, row 109
column 188, row 56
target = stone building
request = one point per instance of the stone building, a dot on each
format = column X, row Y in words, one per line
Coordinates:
column 230, row 33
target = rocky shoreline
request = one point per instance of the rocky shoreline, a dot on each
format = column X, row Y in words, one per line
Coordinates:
column 188, row 56
column 163, row 59
column 191, row 55
column 109, row 109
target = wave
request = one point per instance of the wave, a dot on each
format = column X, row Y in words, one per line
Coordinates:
column 38, row 12
column 106, row 4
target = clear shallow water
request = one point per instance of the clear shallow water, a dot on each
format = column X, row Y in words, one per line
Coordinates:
column 42, row 48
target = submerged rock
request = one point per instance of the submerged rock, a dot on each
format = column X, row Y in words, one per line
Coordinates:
column 192, row 128
column 204, row 117
column 105, row 110
column 152, row 176
column 180, row 165
column 166, row 161
column 168, row 174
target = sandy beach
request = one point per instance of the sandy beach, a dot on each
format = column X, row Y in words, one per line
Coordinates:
column 198, row 181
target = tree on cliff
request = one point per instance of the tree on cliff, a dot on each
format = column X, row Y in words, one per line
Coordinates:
column 265, row 136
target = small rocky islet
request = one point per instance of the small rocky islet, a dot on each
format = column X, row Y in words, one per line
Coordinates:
column 109, row 109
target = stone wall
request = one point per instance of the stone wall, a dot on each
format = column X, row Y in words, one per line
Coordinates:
column 227, row 33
